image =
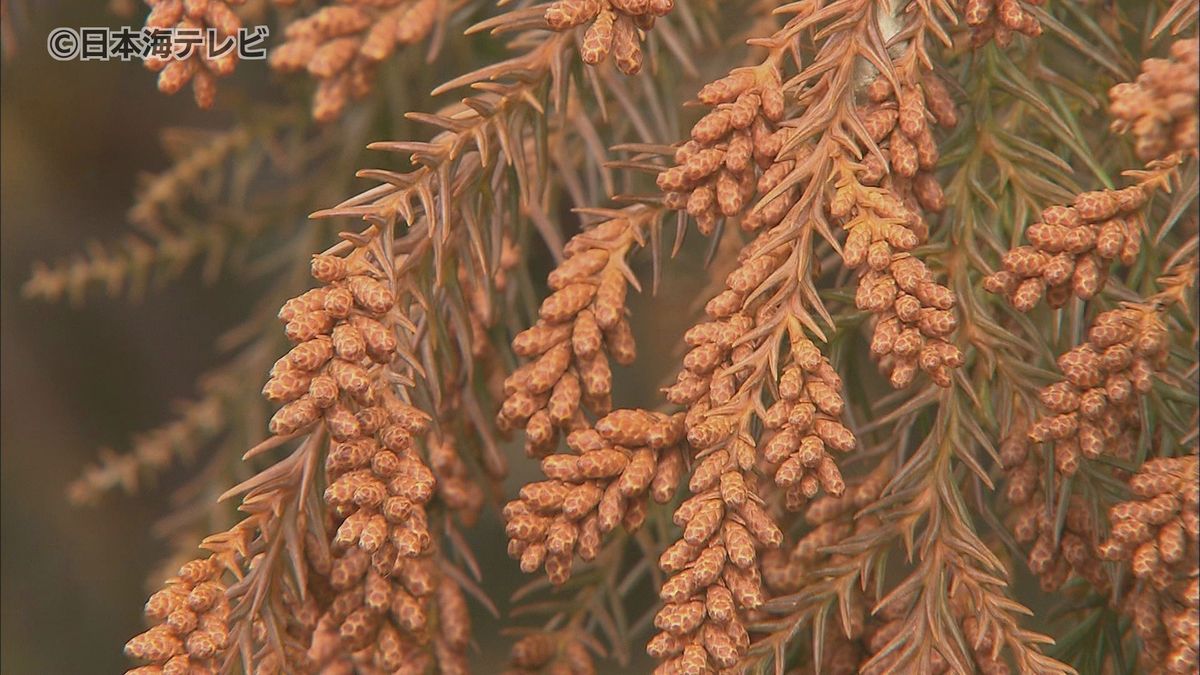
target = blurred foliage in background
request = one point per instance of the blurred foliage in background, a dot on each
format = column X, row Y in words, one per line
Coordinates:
column 75, row 138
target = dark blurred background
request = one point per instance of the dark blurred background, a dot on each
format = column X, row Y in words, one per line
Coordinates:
column 75, row 137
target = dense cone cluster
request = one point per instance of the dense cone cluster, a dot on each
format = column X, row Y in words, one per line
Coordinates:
column 386, row 585
column 716, row 174
column 550, row 653
column 197, row 17
column 342, row 45
column 1157, row 533
column 409, row 618
column 1095, row 409
column 614, row 27
column 1053, row 556
column 1159, row 107
column 711, row 345
column 714, row 575
column 913, row 314
column 879, row 202
column 339, row 339
column 714, row 572
column 580, row 325
column 191, row 629
column 628, row 454
column 716, row 379
column 344, row 563
column 378, row 485
column 805, row 427
column 901, row 126
column 386, row 588
column 999, row 19
column 1071, row 249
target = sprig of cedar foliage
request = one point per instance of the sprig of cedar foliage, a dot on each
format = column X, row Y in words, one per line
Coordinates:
column 1025, row 178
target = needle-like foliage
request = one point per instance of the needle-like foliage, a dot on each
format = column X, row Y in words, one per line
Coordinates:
column 935, row 409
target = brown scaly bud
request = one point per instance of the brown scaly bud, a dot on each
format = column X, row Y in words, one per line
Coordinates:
column 581, row 325
column 597, row 41
column 550, row 652
column 211, row 19
column 614, row 26
column 1075, row 550
column 938, row 101
column 1158, row 534
column 716, row 174
column 628, row 455
column 627, row 49
column 999, row 19
column 568, row 14
column 1159, row 107
column 191, row 615
column 1095, row 408
column 1071, row 250
column 913, row 314
column 342, row 46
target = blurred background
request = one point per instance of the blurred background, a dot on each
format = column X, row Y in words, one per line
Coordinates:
column 75, row 137
column 78, row 378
